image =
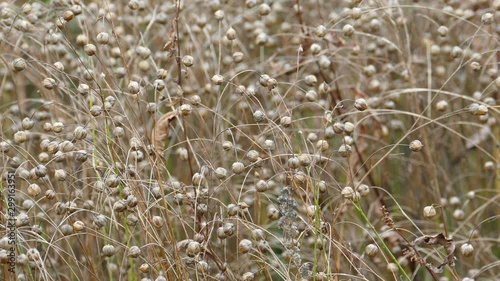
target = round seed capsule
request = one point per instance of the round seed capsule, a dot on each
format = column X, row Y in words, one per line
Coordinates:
column 371, row 250
column 360, row 104
column 429, row 212
column 108, row 250
column 416, row 146
column 19, row 64
column 467, row 250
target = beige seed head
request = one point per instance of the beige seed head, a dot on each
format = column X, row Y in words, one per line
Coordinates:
column 416, row 146
column 19, row 64
column 429, row 212
column 467, row 250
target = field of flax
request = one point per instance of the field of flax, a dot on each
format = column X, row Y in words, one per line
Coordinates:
column 250, row 140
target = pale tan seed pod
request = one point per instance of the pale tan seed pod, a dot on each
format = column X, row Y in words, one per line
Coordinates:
column 20, row 137
column 363, row 190
column 227, row 145
column 133, row 87
column 458, row 214
column 96, row 110
column 49, row 83
column 371, row 250
column 112, row 180
column 67, row 229
column 416, row 146
column 320, row 31
column 143, row 52
column 487, row 18
column 229, row 228
column 53, row 147
column 345, row 150
column 193, row 248
column 258, row 116
column 322, row 145
column 188, row 61
column 27, row 123
column 475, row 66
column 442, row 31
column 441, row 105
column 261, row 186
column 232, row 209
column 102, row 38
column 315, row 48
column 312, row 96
column 238, row 57
column 392, row 267
column 186, row 109
column 79, row 133
column 429, row 212
column 220, row 173
column 264, row 9
column 134, row 252
column 304, row 160
column 157, row 221
column 360, row 104
column 68, row 15
column 195, row 100
column 4, row 146
column 108, row 250
column 286, row 121
column 349, row 128
column 19, row 64
column 83, row 89
column 78, row 225
column 456, row 52
column 198, row 179
column 202, row 266
column 348, row 30
column 338, row 127
column 220, row 233
column 144, row 268
column 219, row 15
column 90, row 49
column 57, row 127
column 348, row 192
column 44, row 157
column 252, row 155
column 311, row 80
column 40, row 171
column 231, row 34
column 50, row 194
column 467, row 250
column 34, row 190
column 311, row 211
column 120, row 206
column 269, row 145
column 244, row 246
column 481, row 110
column 248, row 276
column 217, row 79
column 60, row 175
column 273, row 213
column 144, row 65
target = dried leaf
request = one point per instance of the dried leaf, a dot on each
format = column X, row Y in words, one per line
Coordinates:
column 160, row 130
column 170, row 45
column 440, row 239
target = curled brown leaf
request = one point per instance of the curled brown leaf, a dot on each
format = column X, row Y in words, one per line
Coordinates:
column 160, row 130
